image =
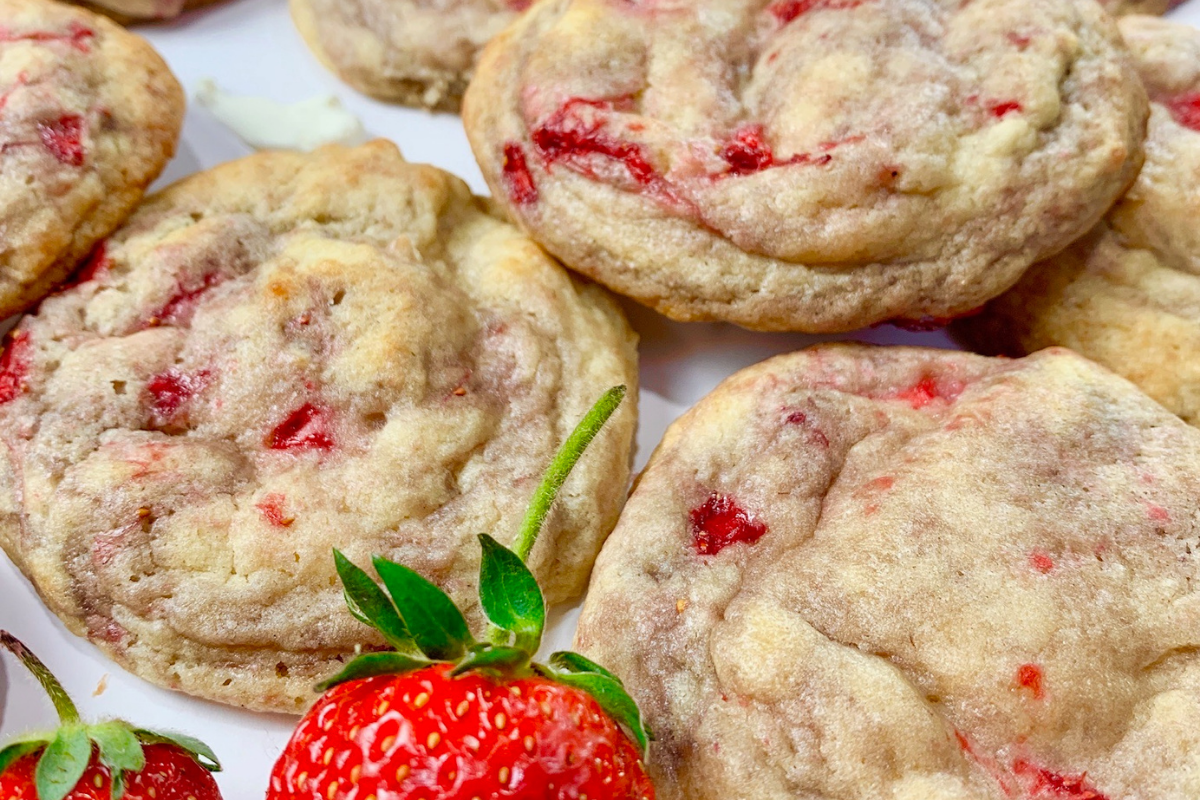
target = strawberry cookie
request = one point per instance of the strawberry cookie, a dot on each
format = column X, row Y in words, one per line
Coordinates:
column 814, row 165
column 284, row 355
column 89, row 116
column 417, row 52
column 1128, row 294
column 855, row 573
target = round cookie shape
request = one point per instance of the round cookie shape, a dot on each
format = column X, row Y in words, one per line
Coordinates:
column 89, row 116
column 416, row 52
column 283, row 355
column 813, row 165
column 1128, row 294
column 854, row 573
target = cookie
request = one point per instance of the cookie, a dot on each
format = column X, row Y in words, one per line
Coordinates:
column 1128, row 295
column 416, row 52
column 854, row 573
column 136, row 10
column 283, row 355
column 707, row 164
column 89, row 116
column 813, row 166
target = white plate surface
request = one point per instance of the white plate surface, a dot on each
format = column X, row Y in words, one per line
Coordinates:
column 250, row 48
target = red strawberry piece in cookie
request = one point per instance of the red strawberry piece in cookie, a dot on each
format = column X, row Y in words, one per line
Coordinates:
column 306, row 428
column 719, row 522
column 14, row 365
column 63, row 137
column 965, row 598
column 272, row 508
column 171, row 391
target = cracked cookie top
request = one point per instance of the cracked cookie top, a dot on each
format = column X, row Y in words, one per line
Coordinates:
column 89, row 116
column 283, row 355
column 853, row 573
column 814, row 165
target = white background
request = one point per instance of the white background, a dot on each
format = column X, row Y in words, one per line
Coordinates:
column 250, row 47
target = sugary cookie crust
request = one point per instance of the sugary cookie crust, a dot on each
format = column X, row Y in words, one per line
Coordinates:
column 417, row 52
column 854, row 573
column 803, row 164
column 280, row 356
column 1128, row 294
column 89, row 116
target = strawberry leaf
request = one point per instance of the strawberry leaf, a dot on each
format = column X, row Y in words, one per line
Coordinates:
column 566, row 661
column 612, row 697
column 63, row 763
column 437, row 626
column 18, row 749
column 197, row 749
column 120, row 751
column 372, row 664
column 371, row 606
column 497, row 657
column 510, row 595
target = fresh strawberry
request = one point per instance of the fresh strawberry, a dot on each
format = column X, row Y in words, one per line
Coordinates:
column 169, row 773
column 102, row 761
column 432, row 734
column 445, row 717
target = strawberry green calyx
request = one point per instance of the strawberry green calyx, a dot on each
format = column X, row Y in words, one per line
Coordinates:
column 424, row 627
column 66, row 752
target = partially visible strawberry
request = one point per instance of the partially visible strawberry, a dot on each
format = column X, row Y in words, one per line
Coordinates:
column 169, row 773
column 102, row 761
column 446, row 717
column 471, row 735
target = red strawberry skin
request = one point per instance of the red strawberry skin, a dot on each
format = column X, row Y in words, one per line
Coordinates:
column 170, row 774
column 427, row 735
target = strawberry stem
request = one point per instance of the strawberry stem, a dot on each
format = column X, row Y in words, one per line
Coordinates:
column 67, row 713
column 564, row 461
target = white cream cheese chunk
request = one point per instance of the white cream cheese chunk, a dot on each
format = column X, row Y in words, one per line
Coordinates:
column 269, row 125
